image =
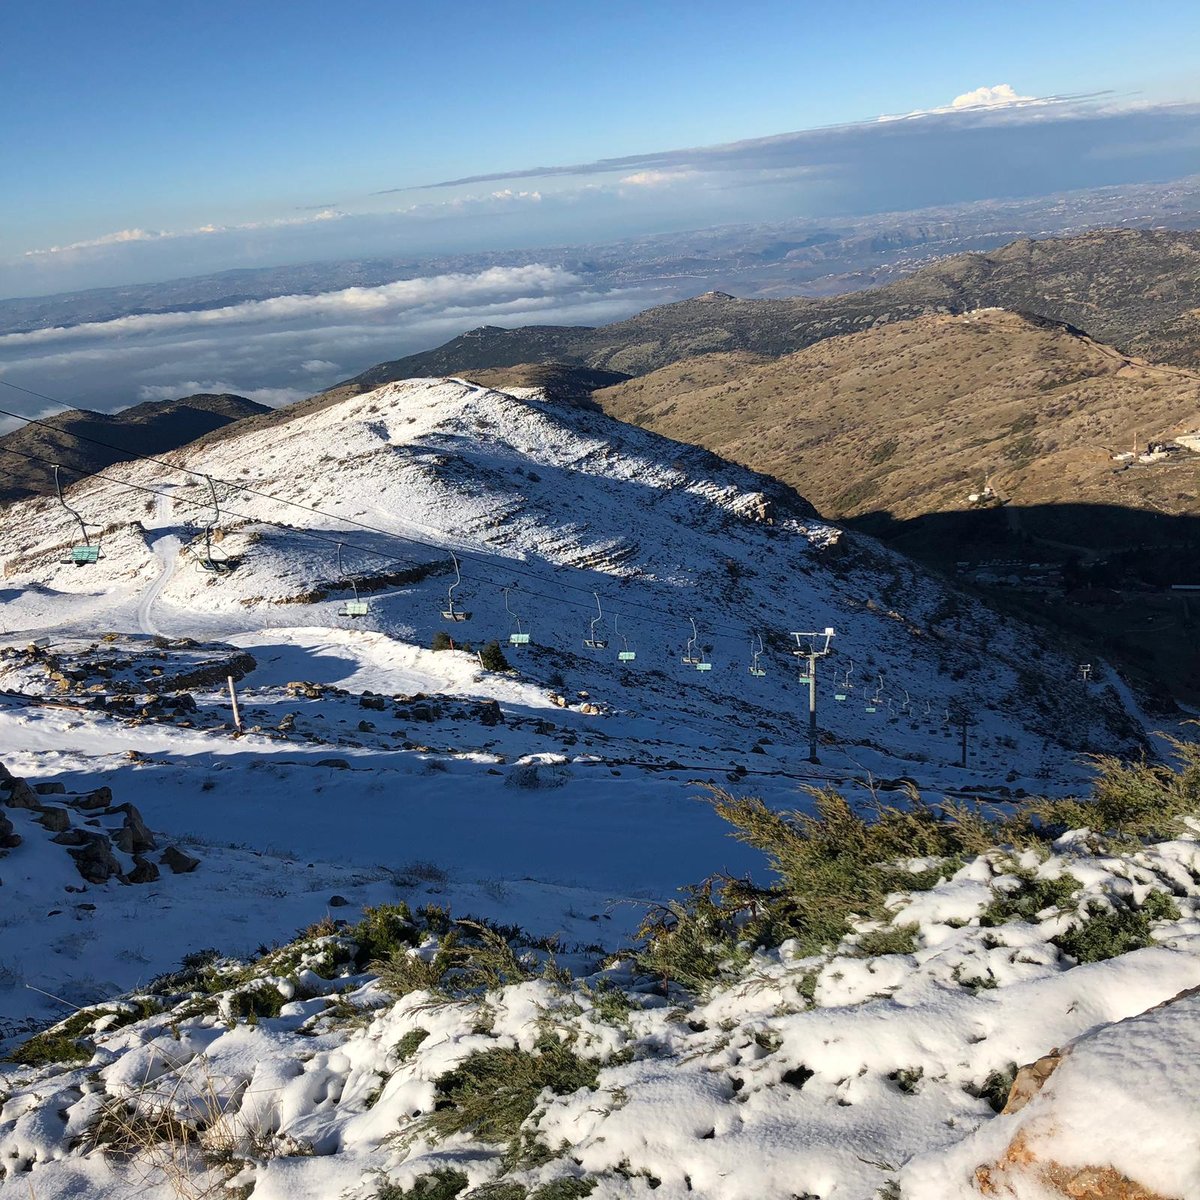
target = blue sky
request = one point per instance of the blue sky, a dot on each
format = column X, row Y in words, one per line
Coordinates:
column 125, row 117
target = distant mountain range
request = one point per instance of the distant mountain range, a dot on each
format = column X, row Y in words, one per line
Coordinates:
column 1136, row 289
column 82, row 441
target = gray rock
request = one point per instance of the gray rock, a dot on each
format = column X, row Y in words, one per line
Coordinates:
column 144, row 871
column 54, row 819
column 9, row 838
column 100, row 798
column 338, row 901
column 178, row 861
column 338, row 764
column 95, row 860
column 134, row 832
column 21, row 795
column 50, row 788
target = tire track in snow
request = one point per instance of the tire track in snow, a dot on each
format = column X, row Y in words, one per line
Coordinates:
column 166, row 549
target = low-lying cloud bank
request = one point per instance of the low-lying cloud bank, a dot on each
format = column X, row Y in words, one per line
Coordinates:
column 279, row 350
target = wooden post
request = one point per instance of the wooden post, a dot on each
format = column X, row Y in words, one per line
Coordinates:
column 237, row 716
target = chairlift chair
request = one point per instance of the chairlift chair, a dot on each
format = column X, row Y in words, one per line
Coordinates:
column 847, row 686
column 450, row 613
column 517, row 637
column 624, row 654
column 220, row 564
column 755, row 670
column 355, row 607
column 594, row 640
column 88, row 552
column 692, row 655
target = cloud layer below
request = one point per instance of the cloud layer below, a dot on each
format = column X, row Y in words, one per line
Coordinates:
column 279, row 350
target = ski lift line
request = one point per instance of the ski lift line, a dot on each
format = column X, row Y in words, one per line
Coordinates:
column 333, row 517
column 328, row 539
column 235, row 485
column 314, row 535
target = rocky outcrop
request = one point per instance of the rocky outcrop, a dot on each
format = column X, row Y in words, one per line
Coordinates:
column 93, row 831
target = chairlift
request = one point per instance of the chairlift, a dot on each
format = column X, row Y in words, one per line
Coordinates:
column 87, row 553
column 215, row 566
column 625, row 654
column 450, row 613
column 847, row 686
column 755, row 670
column 355, row 607
column 906, row 707
column 518, row 637
column 872, row 704
column 692, row 655
column 594, row 640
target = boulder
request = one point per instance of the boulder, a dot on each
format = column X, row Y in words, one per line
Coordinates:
column 134, row 837
column 20, row 795
column 101, row 797
column 178, row 861
column 50, row 788
column 9, row 838
column 489, row 713
column 54, row 819
column 144, row 871
column 95, row 860
column 535, row 775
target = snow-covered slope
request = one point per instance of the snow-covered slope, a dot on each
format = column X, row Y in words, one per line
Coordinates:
column 559, row 796
column 555, row 501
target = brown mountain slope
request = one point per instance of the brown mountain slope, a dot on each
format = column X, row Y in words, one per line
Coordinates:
column 82, row 441
column 909, row 417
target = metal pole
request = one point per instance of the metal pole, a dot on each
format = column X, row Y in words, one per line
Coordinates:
column 237, row 716
column 812, row 708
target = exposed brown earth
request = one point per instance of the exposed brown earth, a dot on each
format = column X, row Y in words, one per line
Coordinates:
column 909, row 417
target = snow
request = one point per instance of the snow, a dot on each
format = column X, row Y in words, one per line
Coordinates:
column 372, row 769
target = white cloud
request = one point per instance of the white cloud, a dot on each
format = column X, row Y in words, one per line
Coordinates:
column 989, row 97
column 656, row 178
column 318, row 366
column 124, row 236
column 458, row 289
column 120, row 237
column 1000, row 95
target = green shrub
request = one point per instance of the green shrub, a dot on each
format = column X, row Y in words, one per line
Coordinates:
column 1161, row 906
column 1105, row 933
column 996, row 1087
column 407, row 1046
column 492, row 1093
column 442, row 1184
column 1032, row 897
column 892, row 939
column 384, row 929
column 564, row 1189
column 492, row 657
